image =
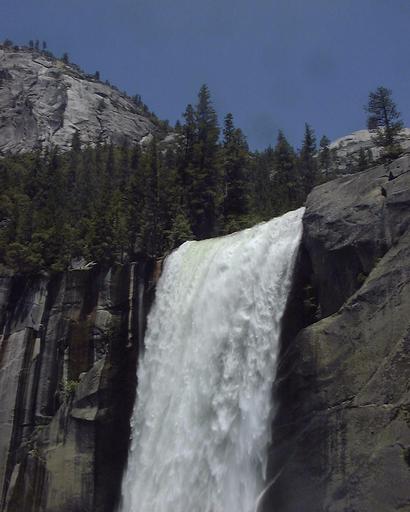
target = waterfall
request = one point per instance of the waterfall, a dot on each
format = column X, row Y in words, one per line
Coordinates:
column 201, row 423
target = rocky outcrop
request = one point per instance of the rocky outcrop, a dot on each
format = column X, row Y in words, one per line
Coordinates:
column 44, row 101
column 345, row 151
column 342, row 431
column 68, row 355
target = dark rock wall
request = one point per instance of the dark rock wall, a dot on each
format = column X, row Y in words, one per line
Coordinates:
column 341, row 437
column 68, row 354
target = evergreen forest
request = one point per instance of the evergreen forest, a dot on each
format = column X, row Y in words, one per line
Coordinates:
column 106, row 204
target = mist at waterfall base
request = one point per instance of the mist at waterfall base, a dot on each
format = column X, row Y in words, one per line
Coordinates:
column 201, row 423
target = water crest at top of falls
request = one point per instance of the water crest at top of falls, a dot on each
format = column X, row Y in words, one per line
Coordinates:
column 201, row 424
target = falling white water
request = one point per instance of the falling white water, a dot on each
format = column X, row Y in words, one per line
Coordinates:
column 201, row 424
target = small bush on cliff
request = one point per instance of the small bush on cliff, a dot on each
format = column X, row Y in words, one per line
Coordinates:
column 67, row 390
column 385, row 122
column 114, row 332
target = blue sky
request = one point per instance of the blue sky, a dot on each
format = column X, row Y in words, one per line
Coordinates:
column 272, row 63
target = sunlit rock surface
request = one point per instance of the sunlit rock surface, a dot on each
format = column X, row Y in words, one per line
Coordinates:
column 43, row 102
column 345, row 151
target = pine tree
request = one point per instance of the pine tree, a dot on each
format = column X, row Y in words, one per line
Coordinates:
column 307, row 161
column 180, row 230
column 173, row 214
column 187, row 140
column 324, row 155
column 362, row 161
column 149, row 229
column 262, row 192
column 134, row 199
column 228, row 129
column 74, row 159
column 384, row 120
column 236, row 204
column 205, row 184
column 110, row 167
column 88, row 183
column 190, row 127
column 135, row 157
column 287, row 186
column 124, row 168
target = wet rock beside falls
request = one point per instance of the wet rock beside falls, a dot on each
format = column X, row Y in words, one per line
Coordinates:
column 342, row 432
column 67, row 378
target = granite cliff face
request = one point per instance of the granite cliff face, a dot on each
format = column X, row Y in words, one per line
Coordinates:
column 342, row 432
column 44, row 102
column 68, row 353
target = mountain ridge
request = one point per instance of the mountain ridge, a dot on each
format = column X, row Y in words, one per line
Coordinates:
column 45, row 101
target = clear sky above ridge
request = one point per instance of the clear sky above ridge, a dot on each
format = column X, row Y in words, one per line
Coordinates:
column 272, row 63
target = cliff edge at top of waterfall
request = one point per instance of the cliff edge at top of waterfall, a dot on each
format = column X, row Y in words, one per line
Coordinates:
column 355, row 218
